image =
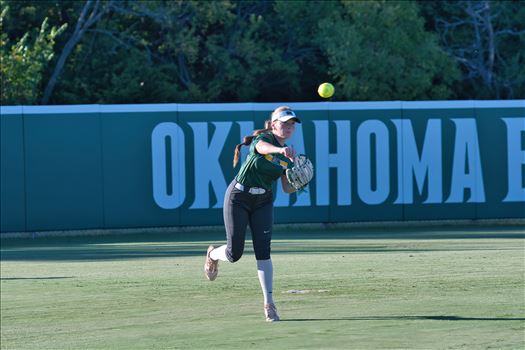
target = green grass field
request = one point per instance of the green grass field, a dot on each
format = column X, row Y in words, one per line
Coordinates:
column 417, row 288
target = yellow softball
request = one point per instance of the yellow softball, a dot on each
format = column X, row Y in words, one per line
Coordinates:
column 325, row 90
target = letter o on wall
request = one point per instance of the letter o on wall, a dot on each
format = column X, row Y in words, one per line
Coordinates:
column 168, row 165
column 365, row 159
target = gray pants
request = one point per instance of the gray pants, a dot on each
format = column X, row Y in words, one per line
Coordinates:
column 242, row 209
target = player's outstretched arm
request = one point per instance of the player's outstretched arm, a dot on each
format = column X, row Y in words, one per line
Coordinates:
column 264, row 147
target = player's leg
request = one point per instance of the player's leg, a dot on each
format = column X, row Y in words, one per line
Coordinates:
column 261, row 222
column 236, row 215
column 236, row 212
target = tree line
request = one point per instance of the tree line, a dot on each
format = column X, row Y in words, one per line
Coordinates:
column 94, row 51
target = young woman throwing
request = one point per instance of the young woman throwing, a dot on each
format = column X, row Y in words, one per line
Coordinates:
column 249, row 200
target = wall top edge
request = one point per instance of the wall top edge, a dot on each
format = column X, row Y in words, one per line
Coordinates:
column 6, row 110
column 253, row 106
column 463, row 104
column 163, row 107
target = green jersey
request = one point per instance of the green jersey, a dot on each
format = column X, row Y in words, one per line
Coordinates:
column 261, row 170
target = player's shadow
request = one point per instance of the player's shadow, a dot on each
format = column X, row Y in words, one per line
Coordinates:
column 397, row 318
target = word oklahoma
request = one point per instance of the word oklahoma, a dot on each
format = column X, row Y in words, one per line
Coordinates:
column 387, row 167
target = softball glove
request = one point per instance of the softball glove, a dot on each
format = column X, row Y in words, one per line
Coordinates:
column 301, row 173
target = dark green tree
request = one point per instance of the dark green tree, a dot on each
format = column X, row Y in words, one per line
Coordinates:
column 23, row 62
column 230, row 50
column 182, row 51
column 487, row 40
column 380, row 50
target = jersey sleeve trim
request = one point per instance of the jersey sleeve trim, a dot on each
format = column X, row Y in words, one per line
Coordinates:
column 276, row 160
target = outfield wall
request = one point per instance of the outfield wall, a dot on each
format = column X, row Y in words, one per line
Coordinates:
column 125, row 166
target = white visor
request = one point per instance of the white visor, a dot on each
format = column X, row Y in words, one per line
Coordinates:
column 285, row 115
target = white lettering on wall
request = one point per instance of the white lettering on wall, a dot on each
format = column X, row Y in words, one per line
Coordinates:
column 282, row 199
column 466, row 151
column 429, row 165
column 207, row 167
column 515, row 159
column 420, row 163
column 365, row 158
column 339, row 160
column 164, row 197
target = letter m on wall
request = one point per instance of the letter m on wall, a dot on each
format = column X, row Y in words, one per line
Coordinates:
column 424, row 166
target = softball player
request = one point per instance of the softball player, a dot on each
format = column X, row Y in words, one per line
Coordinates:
column 249, row 200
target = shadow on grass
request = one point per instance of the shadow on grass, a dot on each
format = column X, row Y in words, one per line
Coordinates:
column 431, row 232
column 172, row 245
column 86, row 252
column 397, row 318
column 32, row 278
column 98, row 252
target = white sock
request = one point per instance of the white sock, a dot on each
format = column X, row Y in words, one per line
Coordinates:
column 219, row 253
column 265, row 273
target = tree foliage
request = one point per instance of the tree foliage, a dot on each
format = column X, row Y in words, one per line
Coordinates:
column 379, row 50
column 487, row 40
column 23, row 63
column 260, row 50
